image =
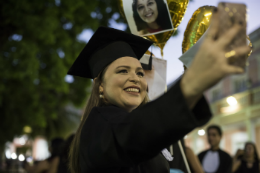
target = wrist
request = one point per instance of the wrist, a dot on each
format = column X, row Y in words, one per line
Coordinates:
column 189, row 91
column 190, row 86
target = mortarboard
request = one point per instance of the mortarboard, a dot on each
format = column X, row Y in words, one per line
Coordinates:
column 105, row 46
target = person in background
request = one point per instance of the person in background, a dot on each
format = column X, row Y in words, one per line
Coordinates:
column 215, row 160
column 246, row 161
column 49, row 165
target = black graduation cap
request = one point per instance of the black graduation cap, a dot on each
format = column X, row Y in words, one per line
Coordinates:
column 105, row 46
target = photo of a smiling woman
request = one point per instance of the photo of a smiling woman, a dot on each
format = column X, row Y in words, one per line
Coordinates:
column 151, row 16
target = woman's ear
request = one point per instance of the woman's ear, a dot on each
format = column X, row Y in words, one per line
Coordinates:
column 101, row 89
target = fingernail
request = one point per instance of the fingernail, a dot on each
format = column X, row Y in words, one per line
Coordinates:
column 240, row 23
column 215, row 9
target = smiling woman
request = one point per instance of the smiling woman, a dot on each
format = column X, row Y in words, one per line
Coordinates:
column 120, row 131
column 119, row 125
column 151, row 16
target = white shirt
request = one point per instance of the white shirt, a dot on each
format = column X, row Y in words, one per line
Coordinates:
column 167, row 154
column 210, row 161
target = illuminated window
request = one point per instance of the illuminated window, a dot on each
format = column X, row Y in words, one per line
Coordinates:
column 240, row 85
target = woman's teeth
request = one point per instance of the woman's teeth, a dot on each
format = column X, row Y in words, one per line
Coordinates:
column 148, row 15
column 132, row 90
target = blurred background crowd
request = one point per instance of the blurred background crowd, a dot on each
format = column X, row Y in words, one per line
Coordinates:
column 41, row 106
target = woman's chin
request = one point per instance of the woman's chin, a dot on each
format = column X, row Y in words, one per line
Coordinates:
column 133, row 104
column 150, row 20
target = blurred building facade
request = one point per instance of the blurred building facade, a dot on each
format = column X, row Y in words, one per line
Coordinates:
column 235, row 104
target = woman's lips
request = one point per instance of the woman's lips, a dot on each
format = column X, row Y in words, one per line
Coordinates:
column 132, row 93
column 148, row 15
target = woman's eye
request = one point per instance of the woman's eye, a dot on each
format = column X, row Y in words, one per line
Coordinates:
column 140, row 7
column 122, row 71
column 150, row 3
column 140, row 74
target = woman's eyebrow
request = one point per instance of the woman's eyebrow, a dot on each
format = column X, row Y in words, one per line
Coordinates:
column 139, row 68
column 128, row 67
column 139, row 5
column 123, row 66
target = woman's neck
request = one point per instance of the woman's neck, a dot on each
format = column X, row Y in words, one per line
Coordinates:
column 153, row 25
column 249, row 158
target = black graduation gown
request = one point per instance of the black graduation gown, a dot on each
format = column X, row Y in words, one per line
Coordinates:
column 178, row 162
column 225, row 161
column 113, row 140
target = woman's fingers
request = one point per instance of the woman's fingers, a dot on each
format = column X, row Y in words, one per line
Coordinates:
column 234, row 70
column 228, row 36
column 237, row 53
column 240, row 51
column 214, row 23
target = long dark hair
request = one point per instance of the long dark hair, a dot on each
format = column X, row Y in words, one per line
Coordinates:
column 163, row 19
column 256, row 158
column 93, row 101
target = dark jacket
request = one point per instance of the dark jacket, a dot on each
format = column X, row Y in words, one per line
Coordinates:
column 225, row 163
column 113, row 140
column 243, row 168
column 178, row 162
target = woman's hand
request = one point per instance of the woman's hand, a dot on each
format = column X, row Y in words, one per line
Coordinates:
column 237, row 162
column 53, row 168
column 239, row 153
column 210, row 64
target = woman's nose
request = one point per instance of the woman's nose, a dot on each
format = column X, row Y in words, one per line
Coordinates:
column 146, row 9
column 134, row 78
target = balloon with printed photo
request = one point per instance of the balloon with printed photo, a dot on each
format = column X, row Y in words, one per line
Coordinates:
column 155, row 20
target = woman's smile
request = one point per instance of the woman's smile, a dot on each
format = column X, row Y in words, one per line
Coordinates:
column 133, row 91
column 149, row 15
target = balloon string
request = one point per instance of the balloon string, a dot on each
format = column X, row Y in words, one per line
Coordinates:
column 151, row 53
column 158, row 45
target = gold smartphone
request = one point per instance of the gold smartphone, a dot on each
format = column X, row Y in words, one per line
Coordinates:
column 230, row 14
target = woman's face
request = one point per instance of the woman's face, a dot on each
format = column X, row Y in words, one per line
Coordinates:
column 249, row 150
column 124, row 83
column 147, row 10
